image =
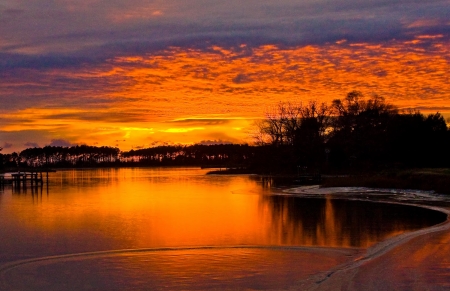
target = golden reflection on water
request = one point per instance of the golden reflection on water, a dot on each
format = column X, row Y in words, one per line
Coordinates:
column 340, row 223
column 135, row 209
column 105, row 209
column 129, row 210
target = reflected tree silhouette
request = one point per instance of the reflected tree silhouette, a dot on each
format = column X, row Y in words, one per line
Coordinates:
column 341, row 223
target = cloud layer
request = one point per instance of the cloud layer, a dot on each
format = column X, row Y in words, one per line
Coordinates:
column 47, row 33
column 106, row 71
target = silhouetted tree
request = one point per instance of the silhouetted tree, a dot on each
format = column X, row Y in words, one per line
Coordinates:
column 69, row 156
column 311, row 136
column 292, row 135
column 359, row 131
column 419, row 141
column 355, row 132
column 279, row 125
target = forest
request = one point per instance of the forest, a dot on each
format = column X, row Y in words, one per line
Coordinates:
column 355, row 133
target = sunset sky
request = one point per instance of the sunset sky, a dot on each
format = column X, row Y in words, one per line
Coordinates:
column 141, row 73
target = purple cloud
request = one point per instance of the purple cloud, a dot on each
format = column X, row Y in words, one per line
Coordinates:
column 73, row 35
column 31, row 145
column 241, row 79
column 214, row 142
column 60, row 143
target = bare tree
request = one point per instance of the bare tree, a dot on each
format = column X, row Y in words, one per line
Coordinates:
column 321, row 112
column 281, row 124
column 355, row 110
column 278, row 126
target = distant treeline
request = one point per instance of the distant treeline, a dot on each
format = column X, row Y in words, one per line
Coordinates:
column 352, row 134
column 91, row 156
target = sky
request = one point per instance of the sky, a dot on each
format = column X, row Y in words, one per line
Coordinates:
column 135, row 74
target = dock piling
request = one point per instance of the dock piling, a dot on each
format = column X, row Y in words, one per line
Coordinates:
column 22, row 177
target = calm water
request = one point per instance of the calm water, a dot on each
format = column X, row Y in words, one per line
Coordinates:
column 178, row 229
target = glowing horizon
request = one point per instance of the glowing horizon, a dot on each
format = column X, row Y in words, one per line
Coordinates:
column 139, row 80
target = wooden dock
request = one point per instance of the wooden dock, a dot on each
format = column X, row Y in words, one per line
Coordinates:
column 24, row 177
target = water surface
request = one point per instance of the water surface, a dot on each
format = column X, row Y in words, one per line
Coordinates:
column 180, row 229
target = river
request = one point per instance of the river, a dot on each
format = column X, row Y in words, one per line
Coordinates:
column 180, row 229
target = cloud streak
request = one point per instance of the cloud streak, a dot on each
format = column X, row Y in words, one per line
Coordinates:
column 99, row 71
column 46, row 34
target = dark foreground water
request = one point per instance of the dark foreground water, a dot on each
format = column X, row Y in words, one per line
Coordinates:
column 178, row 229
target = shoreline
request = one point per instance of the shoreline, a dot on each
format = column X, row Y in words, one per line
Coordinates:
column 437, row 180
column 425, row 179
column 358, row 274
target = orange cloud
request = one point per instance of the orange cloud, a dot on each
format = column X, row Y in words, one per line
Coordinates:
column 135, row 99
column 237, row 84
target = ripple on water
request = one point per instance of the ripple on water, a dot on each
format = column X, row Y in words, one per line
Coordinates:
column 209, row 268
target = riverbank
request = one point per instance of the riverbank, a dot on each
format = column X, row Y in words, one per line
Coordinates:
column 428, row 179
column 418, row 260
column 230, row 171
column 437, row 180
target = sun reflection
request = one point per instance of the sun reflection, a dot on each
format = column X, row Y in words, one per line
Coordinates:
column 179, row 226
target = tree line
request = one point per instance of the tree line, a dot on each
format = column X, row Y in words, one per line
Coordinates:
column 92, row 156
column 353, row 133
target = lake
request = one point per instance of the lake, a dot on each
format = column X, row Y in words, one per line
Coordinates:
column 180, row 229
